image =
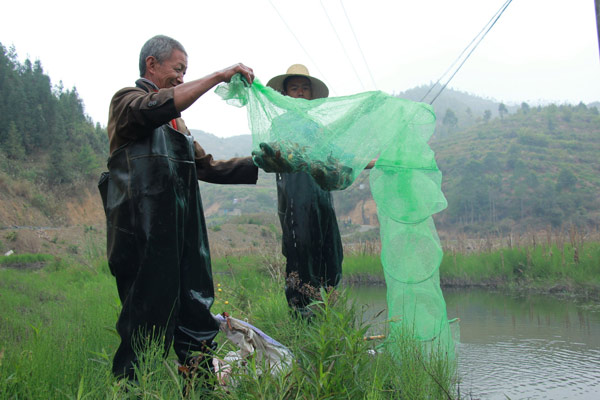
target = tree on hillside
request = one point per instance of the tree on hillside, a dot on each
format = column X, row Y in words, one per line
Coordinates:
column 450, row 120
column 470, row 195
column 566, row 114
column 487, row 115
column 86, row 162
column 502, row 110
column 524, row 108
column 550, row 124
column 13, row 143
column 566, row 180
column 491, row 163
column 59, row 169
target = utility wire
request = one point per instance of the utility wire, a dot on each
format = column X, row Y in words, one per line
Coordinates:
column 358, row 45
column 486, row 28
column 297, row 40
column 342, row 44
column 462, row 53
column 494, row 19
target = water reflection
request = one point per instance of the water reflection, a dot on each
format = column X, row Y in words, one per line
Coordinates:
column 523, row 347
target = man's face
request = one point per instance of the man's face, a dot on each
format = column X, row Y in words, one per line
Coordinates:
column 298, row 87
column 170, row 72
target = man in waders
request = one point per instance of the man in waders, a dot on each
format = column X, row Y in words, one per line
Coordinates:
column 157, row 243
column 311, row 241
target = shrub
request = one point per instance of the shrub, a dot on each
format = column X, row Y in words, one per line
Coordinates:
column 11, row 236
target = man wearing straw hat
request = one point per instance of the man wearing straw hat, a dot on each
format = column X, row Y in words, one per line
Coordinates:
column 311, row 238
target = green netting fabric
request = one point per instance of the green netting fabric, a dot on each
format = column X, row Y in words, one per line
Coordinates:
column 333, row 139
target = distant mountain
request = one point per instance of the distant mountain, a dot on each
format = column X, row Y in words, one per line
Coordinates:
column 453, row 99
column 224, row 148
column 595, row 104
column 468, row 109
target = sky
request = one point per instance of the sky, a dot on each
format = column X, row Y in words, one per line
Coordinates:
column 539, row 51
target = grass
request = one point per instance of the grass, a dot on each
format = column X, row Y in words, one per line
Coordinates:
column 57, row 333
column 551, row 264
column 571, row 268
column 57, row 339
column 357, row 267
column 52, row 321
column 25, row 259
column 565, row 261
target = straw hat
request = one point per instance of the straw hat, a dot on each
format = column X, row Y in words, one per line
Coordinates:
column 319, row 89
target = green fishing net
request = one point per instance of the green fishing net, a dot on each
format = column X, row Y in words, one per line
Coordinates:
column 333, row 139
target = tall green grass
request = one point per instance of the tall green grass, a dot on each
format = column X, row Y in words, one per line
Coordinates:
column 541, row 264
column 569, row 263
column 53, row 321
column 25, row 259
column 57, row 339
column 362, row 267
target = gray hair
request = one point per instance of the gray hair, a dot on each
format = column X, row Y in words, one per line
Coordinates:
column 159, row 47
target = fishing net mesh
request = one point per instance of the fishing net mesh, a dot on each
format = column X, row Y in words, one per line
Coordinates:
column 333, row 139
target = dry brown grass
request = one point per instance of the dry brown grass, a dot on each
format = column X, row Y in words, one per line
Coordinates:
column 4, row 183
column 368, row 247
column 464, row 244
column 487, row 243
column 22, row 189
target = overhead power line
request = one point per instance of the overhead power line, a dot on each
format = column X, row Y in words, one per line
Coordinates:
column 342, row 44
column 298, row 40
column 472, row 46
column 358, row 45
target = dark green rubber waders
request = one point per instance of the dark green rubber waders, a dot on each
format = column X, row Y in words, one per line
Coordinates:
column 157, row 248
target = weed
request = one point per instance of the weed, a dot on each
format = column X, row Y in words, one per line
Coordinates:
column 25, row 258
column 41, row 203
column 88, row 228
column 11, row 236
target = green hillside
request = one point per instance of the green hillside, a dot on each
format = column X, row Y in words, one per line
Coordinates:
column 51, row 152
column 534, row 168
column 505, row 167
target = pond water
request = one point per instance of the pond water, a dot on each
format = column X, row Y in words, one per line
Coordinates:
column 518, row 346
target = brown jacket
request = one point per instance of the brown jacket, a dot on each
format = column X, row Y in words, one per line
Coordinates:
column 136, row 111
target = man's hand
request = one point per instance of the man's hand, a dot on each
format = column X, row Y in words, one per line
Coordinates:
column 331, row 175
column 187, row 93
column 271, row 160
column 240, row 68
column 371, row 163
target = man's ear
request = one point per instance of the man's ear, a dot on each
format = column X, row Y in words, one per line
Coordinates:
column 151, row 63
